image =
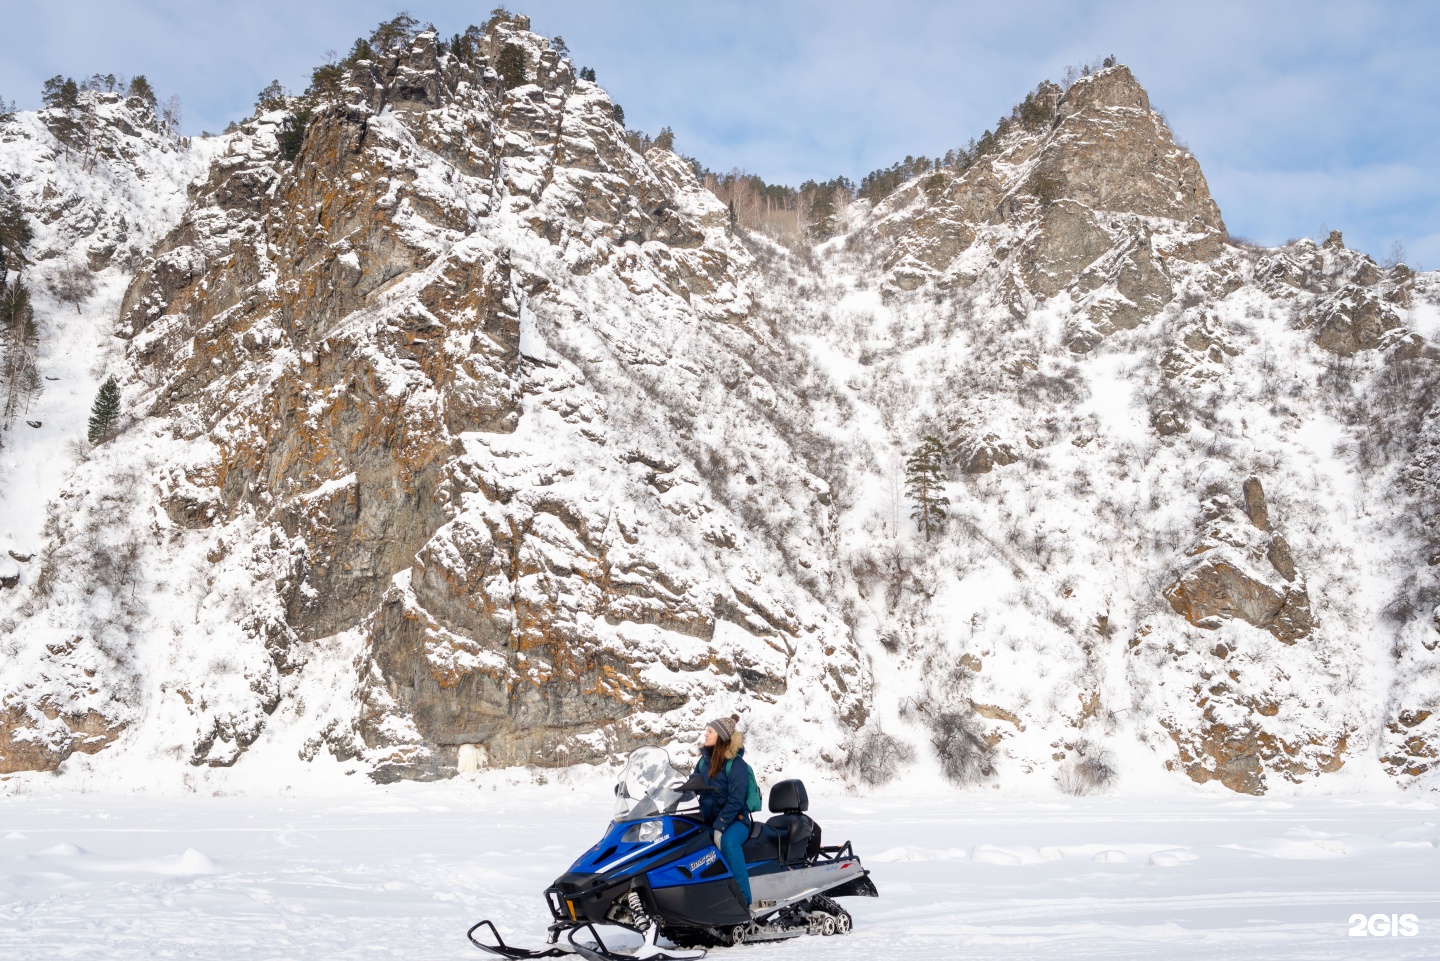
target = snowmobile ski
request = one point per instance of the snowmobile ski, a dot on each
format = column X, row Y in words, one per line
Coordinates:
column 506, row 951
column 648, row 950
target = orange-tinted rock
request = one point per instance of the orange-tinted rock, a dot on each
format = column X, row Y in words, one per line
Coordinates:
column 41, row 739
column 1411, row 742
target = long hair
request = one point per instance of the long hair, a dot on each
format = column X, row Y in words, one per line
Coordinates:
column 725, row 748
column 717, row 754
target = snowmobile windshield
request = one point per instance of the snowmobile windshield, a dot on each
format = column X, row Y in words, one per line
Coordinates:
column 646, row 787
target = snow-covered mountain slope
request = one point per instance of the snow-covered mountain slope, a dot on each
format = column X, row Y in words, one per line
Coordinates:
column 1191, row 520
column 101, row 184
column 462, row 389
column 462, row 429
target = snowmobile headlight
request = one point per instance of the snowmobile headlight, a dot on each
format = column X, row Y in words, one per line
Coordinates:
column 644, row 832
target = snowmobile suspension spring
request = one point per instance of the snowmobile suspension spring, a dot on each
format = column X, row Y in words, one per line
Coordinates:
column 637, row 911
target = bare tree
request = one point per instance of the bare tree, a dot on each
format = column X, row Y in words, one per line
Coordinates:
column 170, row 116
column 1396, row 257
column 73, row 284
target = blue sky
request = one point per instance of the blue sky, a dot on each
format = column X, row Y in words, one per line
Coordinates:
column 1304, row 115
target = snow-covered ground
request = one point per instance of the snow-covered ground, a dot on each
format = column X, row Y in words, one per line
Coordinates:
column 402, row 871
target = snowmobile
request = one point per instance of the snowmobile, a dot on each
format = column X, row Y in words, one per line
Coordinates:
column 655, row 887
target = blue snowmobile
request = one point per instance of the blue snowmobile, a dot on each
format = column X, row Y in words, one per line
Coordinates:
column 655, row 887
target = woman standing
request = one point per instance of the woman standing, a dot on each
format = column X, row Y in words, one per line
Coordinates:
column 722, row 766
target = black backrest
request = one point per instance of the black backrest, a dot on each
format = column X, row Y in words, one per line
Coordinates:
column 796, row 835
column 789, row 797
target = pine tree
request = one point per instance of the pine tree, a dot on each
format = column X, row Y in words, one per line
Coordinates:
column 271, row 98
column 510, row 65
column 291, row 136
column 821, row 223
column 15, row 232
column 325, row 80
column 105, row 411
column 19, row 342
column 924, row 482
column 141, row 90
column 360, row 51
column 60, row 92
column 394, row 36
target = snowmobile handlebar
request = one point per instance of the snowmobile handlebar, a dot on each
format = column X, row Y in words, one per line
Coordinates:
column 694, row 784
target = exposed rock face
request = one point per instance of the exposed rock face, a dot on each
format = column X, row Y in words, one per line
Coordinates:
column 1168, row 423
column 1071, row 204
column 1068, row 240
column 985, row 454
column 1241, row 723
column 1111, row 152
column 1240, row 757
column 1229, row 579
column 1255, row 507
column 1413, row 741
column 392, row 364
column 1353, row 319
column 41, row 737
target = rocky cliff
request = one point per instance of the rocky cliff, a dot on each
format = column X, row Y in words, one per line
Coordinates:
column 1121, row 385
column 462, row 424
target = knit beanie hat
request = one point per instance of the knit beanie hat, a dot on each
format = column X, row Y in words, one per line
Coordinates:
column 724, row 726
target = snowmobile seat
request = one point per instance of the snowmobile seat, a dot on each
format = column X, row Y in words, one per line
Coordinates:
column 797, row 835
column 763, row 843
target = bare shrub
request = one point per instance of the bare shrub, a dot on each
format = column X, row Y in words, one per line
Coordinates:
column 73, row 284
column 1092, row 771
column 876, row 757
column 966, row 757
column 115, row 566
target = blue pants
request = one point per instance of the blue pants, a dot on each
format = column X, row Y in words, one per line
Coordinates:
column 732, row 849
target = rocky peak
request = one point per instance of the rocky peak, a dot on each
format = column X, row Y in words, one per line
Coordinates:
column 1089, row 202
column 1111, row 152
column 1108, row 89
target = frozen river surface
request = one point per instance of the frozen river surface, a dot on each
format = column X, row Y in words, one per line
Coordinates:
column 402, row 873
